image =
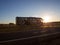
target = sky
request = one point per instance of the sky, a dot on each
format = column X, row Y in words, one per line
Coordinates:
column 10, row 9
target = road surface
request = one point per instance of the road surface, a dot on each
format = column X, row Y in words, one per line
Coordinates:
column 29, row 38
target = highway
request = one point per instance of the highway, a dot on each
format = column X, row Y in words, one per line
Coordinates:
column 41, row 36
column 30, row 38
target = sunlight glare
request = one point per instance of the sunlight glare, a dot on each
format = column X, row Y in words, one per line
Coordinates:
column 46, row 19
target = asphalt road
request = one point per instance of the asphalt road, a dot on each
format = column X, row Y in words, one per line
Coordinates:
column 40, row 40
column 30, row 38
column 16, row 35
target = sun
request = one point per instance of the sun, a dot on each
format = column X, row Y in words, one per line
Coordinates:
column 46, row 19
column 46, row 16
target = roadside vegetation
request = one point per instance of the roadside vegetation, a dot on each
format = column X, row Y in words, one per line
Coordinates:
column 15, row 28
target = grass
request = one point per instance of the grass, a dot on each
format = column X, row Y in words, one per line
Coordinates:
column 16, row 28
